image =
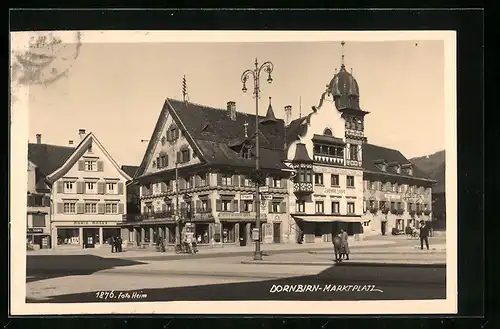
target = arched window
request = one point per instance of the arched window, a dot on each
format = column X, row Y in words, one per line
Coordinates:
column 328, row 132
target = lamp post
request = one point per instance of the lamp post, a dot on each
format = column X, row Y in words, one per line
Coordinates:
column 255, row 74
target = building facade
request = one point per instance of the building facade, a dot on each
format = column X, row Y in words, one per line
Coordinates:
column 199, row 169
column 397, row 194
column 325, row 149
column 88, row 195
column 38, row 211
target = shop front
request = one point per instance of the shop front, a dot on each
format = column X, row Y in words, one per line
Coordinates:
column 316, row 229
column 237, row 227
column 84, row 234
column 38, row 238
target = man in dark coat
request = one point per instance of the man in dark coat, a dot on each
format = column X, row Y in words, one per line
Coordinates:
column 424, row 235
column 112, row 242
column 337, row 246
column 119, row 244
column 345, row 245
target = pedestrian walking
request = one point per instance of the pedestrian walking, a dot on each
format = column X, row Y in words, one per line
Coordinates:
column 345, row 243
column 424, row 235
column 119, row 243
column 111, row 241
column 337, row 246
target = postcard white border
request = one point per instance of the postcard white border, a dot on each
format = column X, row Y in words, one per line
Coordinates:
column 18, row 183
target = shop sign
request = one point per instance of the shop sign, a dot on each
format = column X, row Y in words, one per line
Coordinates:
column 247, row 197
column 392, row 196
column 35, row 230
column 335, row 191
column 90, row 223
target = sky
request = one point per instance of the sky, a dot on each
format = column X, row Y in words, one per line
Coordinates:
column 117, row 90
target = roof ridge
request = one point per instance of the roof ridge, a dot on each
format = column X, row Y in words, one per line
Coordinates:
column 54, row 145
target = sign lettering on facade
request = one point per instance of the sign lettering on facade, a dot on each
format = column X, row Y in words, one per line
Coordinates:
column 264, row 189
column 247, row 197
column 90, row 223
column 335, row 191
column 35, row 230
column 267, row 197
column 392, row 196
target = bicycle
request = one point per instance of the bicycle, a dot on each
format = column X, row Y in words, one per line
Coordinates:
column 413, row 235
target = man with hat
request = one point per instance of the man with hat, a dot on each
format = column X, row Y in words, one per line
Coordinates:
column 424, row 235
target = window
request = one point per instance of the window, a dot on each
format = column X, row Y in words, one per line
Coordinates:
column 335, row 207
column 70, row 207
column 350, row 181
column 227, row 180
column 172, row 134
column 185, row 156
column 69, row 187
column 394, row 187
column 328, row 132
column 203, row 179
column 366, row 224
column 90, row 165
column 226, row 205
column 276, row 182
column 353, row 152
column 373, row 185
column 350, row 208
column 275, row 207
column 393, row 205
column 301, row 206
column 38, row 220
column 189, row 182
column 247, row 182
column 111, row 188
column 162, row 161
column 112, row 208
column 318, row 179
column 90, row 207
column 335, row 180
column 247, row 206
column 320, row 207
column 90, row 187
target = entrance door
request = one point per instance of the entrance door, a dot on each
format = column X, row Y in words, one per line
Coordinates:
column 89, row 237
column 277, row 232
column 243, row 234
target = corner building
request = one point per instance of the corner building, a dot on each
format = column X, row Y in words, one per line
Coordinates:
column 199, row 168
column 325, row 148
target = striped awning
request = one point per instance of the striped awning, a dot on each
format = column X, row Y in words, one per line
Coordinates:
column 328, row 219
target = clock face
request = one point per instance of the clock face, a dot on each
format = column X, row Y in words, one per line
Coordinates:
column 47, row 57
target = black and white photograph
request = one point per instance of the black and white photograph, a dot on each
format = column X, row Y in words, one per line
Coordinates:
column 212, row 172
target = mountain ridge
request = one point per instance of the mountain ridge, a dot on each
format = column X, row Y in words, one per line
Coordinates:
column 435, row 166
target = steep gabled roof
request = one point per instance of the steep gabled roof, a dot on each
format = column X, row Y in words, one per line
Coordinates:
column 76, row 153
column 48, row 158
column 372, row 153
column 214, row 142
column 130, row 170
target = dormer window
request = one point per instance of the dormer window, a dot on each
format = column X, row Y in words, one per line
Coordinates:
column 328, row 132
column 246, row 152
column 172, row 133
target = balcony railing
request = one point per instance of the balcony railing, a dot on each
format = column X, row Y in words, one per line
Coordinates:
column 303, row 188
column 229, row 215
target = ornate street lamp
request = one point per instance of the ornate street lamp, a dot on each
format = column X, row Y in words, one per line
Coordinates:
column 255, row 74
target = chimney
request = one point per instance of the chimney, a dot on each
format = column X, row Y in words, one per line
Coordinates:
column 288, row 114
column 39, row 138
column 81, row 132
column 70, row 143
column 231, row 109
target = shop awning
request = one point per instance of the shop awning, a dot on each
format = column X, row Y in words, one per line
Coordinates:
column 328, row 219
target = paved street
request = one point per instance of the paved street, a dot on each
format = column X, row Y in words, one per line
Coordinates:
column 222, row 276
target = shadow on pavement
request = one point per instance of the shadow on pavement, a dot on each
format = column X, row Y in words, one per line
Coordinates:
column 397, row 284
column 42, row 267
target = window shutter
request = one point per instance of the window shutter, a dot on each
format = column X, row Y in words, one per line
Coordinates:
column 60, row 208
column 242, row 205
column 80, row 207
column 60, row 187
column 235, row 180
column 121, row 208
column 182, row 183
column 218, row 205
column 179, row 157
column 101, row 208
column 283, row 207
column 242, row 180
column 46, row 201
column 234, row 206
column 219, row 179
column 79, row 187
column 100, row 187
column 120, row 188
column 30, row 201
column 284, row 182
column 209, row 204
column 198, row 205
column 270, row 206
column 81, row 165
column 269, row 181
column 144, row 209
column 158, row 164
column 100, row 165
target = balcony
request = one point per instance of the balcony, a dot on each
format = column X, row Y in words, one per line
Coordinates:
column 237, row 216
column 303, row 188
column 199, row 214
column 329, row 159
